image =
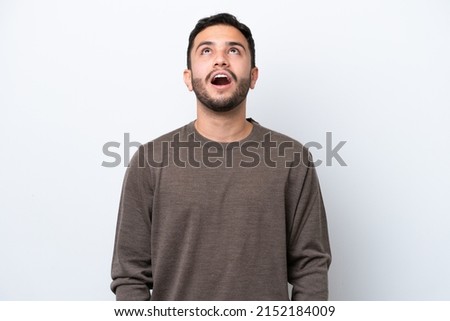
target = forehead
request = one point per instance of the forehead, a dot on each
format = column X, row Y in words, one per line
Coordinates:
column 220, row 34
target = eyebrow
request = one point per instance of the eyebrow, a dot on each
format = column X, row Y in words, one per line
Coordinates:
column 228, row 43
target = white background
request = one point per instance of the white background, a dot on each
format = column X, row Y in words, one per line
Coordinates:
column 75, row 75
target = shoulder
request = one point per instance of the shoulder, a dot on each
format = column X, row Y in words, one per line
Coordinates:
column 284, row 148
column 278, row 136
column 280, row 141
column 155, row 152
column 181, row 132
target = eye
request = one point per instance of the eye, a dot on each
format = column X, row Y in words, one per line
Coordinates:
column 234, row 51
column 205, row 51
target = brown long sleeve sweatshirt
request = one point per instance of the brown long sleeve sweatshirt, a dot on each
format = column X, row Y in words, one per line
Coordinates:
column 201, row 220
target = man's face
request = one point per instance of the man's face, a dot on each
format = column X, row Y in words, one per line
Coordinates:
column 221, row 72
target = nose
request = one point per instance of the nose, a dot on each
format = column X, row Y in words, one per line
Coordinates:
column 220, row 60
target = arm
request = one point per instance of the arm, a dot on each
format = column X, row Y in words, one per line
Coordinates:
column 131, row 266
column 309, row 255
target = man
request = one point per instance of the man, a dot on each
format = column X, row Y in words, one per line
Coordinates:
column 222, row 208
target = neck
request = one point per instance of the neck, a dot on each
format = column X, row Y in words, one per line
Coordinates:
column 223, row 126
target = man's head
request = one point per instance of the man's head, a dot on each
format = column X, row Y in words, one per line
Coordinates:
column 221, row 62
column 221, row 19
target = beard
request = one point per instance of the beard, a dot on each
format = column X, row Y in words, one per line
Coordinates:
column 221, row 104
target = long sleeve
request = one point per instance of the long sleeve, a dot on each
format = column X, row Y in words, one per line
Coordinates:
column 309, row 254
column 131, row 265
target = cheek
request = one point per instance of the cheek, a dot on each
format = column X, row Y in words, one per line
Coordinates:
column 199, row 69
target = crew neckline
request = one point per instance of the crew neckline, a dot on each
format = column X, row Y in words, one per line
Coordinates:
column 203, row 139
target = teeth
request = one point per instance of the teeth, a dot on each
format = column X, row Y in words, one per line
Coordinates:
column 220, row 76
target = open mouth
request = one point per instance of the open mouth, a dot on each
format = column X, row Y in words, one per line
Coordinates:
column 221, row 80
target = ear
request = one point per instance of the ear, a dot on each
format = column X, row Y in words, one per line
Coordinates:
column 253, row 77
column 187, row 76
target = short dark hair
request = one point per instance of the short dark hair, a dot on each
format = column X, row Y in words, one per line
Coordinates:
column 221, row 19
